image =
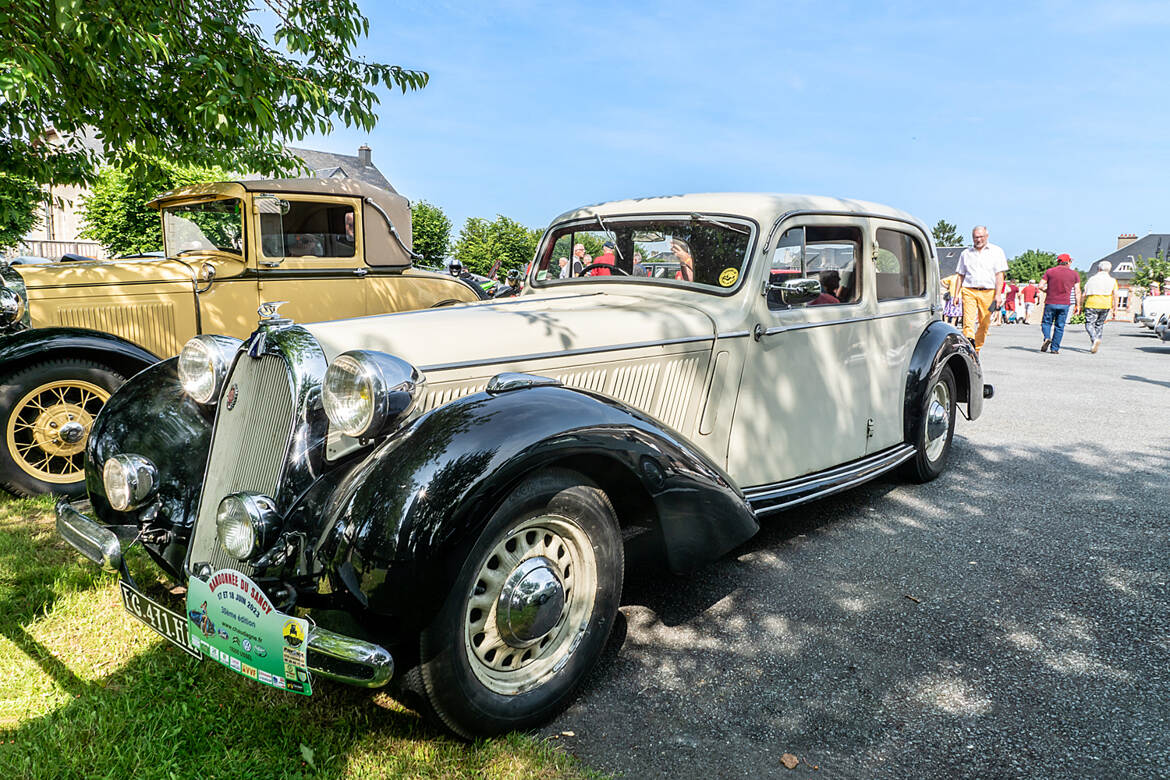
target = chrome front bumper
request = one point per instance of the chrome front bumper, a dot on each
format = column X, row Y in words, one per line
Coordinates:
column 338, row 657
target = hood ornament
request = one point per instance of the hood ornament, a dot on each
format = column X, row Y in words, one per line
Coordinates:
column 269, row 311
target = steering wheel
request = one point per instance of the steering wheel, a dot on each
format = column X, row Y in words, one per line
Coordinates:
column 591, row 266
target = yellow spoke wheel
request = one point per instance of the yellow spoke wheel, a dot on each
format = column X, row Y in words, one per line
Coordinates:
column 49, row 426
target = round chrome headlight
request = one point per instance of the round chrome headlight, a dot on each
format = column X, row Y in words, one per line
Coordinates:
column 203, row 365
column 246, row 524
column 130, row 481
column 11, row 306
column 367, row 392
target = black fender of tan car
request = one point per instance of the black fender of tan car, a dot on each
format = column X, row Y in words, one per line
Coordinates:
column 404, row 519
column 151, row 416
column 941, row 345
column 56, row 343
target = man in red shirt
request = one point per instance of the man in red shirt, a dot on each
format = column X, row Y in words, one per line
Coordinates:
column 1030, row 292
column 1059, row 283
column 605, row 258
column 1009, row 303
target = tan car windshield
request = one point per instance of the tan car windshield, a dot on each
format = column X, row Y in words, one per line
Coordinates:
column 214, row 225
column 701, row 251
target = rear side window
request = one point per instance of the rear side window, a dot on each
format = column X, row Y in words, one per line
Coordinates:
column 900, row 264
column 305, row 229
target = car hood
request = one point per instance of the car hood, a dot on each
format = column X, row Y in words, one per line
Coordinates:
column 517, row 328
column 110, row 271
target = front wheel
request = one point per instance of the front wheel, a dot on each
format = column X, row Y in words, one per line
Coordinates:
column 46, row 412
column 932, row 441
column 530, row 611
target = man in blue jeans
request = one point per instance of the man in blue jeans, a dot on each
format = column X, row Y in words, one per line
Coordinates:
column 1062, row 289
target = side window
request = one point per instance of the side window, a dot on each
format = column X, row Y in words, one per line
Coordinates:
column 306, row 229
column 827, row 253
column 901, row 265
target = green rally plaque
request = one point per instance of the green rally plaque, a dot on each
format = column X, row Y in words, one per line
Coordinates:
column 236, row 624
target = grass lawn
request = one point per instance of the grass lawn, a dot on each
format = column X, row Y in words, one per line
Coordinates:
column 87, row 692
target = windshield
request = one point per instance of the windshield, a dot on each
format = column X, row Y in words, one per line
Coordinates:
column 215, row 225
column 695, row 250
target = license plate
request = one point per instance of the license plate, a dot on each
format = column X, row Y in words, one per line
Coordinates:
column 170, row 625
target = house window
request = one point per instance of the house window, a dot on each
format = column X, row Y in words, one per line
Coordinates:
column 1126, row 265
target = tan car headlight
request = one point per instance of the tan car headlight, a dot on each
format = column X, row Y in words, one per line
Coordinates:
column 11, row 306
column 246, row 524
column 366, row 393
column 203, row 366
column 130, row 481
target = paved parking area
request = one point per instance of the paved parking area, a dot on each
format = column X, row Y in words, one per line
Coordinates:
column 1010, row 619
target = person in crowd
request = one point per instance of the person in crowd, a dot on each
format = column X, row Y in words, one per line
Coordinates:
column 682, row 253
column 580, row 259
column 563, row 271
column 952, row 304
column 1030, row 293
column 980, row 282
column 830, row 287
column 1009, row 303
column 1100, row 302
column 639, row 269
column 511, row 287
column 605, row 258
column 1062, row 289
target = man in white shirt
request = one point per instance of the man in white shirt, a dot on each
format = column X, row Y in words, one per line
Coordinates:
column 980, row 282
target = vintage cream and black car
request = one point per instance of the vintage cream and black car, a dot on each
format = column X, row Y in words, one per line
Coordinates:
column 71, row 332
column 451, row 513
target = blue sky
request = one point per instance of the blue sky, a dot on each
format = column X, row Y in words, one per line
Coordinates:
column 1045, row 121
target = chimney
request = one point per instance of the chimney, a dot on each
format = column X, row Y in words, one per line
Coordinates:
column 364, row 158
column 1125, row 239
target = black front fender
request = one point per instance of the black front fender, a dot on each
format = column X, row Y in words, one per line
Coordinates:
column 939, row 345
column 27, row 346
column 407, row 515
column 151, row 416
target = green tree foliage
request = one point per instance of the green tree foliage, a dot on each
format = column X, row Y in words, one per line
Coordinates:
column 1152, row 269
column 195, row 82
column 1030, row 265
column 946, row 234
column 19, row 199
column 430, row 231
column 116, row 215
column 482, row 243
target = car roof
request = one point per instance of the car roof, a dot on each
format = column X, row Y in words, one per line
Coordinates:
column 761, row 206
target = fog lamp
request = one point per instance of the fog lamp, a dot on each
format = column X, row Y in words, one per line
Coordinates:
column 130, row 481
column 246, row 524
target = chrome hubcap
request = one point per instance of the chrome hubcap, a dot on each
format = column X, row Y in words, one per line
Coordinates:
column 72, row 432
column 938, row 420
column 530, row 603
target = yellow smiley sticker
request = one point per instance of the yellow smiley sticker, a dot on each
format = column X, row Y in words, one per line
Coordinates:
column 728, row 276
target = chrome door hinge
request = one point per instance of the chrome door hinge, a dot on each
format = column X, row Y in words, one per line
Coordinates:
column 869, row 428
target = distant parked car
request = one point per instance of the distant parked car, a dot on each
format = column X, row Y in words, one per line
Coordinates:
column 1153, row 307
column 461, row 482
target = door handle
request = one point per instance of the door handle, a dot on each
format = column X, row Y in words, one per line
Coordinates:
column 360, row 271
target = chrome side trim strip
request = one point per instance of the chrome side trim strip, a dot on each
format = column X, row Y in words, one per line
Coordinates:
column 781, row 495
column 565, row 353
column 806, row 325
column 736, row 334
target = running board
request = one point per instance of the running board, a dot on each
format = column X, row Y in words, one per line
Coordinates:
column 782, row 495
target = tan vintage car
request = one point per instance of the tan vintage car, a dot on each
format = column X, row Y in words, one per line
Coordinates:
column 70, row 333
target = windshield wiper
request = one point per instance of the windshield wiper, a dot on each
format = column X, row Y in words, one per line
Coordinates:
column 711, row 220
column 612, row 236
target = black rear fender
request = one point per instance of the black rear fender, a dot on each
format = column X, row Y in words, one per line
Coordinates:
column 25, row 347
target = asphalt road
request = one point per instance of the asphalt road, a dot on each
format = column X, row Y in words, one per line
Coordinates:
column 1010, row 619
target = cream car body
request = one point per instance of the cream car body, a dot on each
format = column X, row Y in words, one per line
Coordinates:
column 474, row 526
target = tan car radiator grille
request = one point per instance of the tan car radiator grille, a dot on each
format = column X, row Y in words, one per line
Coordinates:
column 249, row 447
column 150, row 325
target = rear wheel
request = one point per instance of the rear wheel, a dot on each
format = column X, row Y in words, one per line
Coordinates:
column 46, row 412
column 530, row 611
column 935, row 430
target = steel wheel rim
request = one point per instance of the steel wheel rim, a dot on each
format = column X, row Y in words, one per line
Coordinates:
column 34, row 432
column 938, row 407
column 509, row 666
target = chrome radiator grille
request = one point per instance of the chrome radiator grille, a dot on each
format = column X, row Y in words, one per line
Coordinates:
column 249, row 447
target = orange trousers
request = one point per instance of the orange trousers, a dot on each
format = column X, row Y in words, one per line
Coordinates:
column 977, row 314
